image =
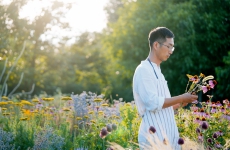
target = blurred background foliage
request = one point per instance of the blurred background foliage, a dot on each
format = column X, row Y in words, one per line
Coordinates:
column 105, row 62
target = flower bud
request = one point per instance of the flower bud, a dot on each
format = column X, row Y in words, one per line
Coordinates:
column 204, row 125
column 181, row 141
column 114, row 126
column 103, row 133
column 109, row 127
column 152, row 130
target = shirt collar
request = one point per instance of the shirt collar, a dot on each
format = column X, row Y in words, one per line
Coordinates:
column 146, row 62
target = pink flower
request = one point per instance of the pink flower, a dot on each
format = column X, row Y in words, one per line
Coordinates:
column 218, row 145
column 212, row 83
column 197, row 120
column 218, row 103
column 213, row 109
column 206, row 88
column 226, row 101
column 219, row 133
column 194, row 108
column 222, row 109
column 207, row 115
column 202, row 113
column 195, row 102
column 200, row 137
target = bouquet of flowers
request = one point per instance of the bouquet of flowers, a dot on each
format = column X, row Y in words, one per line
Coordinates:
column 200, row 83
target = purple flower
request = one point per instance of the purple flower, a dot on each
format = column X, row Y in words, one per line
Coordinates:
column 152, row 130
column 103, row 133
column 180, row 141
column 204, row 125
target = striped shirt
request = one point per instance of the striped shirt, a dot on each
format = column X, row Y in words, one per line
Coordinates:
column 150, row 90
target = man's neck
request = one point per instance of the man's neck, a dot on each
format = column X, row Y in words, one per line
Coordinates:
column 153, row 58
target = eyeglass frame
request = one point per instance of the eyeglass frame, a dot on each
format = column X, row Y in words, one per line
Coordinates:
column 172, row 49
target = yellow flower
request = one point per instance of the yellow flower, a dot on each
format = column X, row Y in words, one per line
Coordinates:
column 4, row 108
column 98, row 100
column 24, row 102
column 26, row 112
column 86, row 117
column 202, row 75
column 104, row 105
column 36, row 111
column 18, row 104
column 91, row 112
column 3, row 103
column 4, row 97
column 128, row 104
column 79, row 118
column 48, row 99
column 5, row 114
column 24, row 118
column 10, row 102
column 66, row 98
column 66, row 109
column 101, row 113
column 35, row 100
column 93, row 121
column 117, row 117
column 71, row 116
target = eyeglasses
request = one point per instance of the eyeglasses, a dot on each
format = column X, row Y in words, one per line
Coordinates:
column 169, row 47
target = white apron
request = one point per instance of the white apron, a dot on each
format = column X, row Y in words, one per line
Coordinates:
column 166, row 135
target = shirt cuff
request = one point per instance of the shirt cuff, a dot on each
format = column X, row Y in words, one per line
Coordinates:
column 161, row 103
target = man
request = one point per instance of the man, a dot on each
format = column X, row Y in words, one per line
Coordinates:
column 152, row 96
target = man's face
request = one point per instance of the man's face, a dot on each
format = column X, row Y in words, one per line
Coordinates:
column 164, row 50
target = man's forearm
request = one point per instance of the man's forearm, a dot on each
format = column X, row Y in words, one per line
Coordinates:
column 172, row 101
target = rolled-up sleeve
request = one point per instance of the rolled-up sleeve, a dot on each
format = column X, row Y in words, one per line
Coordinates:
column 147, row 90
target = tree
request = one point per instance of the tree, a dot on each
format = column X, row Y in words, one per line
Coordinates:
column 190, row 20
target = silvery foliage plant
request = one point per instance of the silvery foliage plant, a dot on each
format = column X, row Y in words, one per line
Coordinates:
column 82, row 101
column 46, row 139
column 6, row 138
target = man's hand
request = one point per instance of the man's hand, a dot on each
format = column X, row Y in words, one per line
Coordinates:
column 183, row 99
column 188, row 98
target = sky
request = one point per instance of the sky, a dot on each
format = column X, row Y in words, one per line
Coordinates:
column 85, row 15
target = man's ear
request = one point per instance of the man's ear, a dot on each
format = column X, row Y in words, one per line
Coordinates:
column 155, row 45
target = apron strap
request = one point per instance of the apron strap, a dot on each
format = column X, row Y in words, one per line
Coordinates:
column 153, row 68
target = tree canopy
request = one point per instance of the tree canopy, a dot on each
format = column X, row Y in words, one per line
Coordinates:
column 105, row 62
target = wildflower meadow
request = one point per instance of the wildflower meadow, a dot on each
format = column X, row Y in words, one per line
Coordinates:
column 87, row 121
